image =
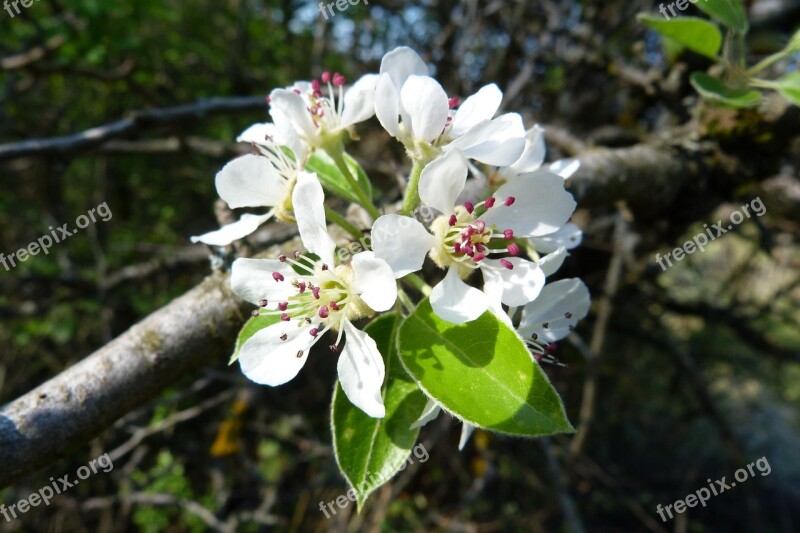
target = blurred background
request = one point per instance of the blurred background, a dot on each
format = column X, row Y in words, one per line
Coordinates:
column 676, row 377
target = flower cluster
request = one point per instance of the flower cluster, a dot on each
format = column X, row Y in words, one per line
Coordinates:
column 491, row 245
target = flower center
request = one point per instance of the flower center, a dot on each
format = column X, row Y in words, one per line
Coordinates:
column 327, row 110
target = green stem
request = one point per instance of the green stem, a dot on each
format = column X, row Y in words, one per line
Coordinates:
column 411, row 199
column 418, row 283
column 337, row 154
column 767, row 61
column 343, row 223
column 408, row 305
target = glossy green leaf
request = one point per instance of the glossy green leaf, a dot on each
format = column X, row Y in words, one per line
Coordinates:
column 250, row 328
column 715, row 90
column 730, row 13
column 694, row 33
column 789, row 87
column 369, row 451
column 332, row 178
column 482, row 372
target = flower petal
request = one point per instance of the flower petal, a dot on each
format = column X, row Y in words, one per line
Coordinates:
column 565, row 167
column 477, row 108
column 455, row 301
column 308, row 201
column 290, row 106
column 552, row 261
column 498, row 142
column 252, row 280
column 533, row 155
column 426, row 104
column 442, row 181
column 429, row 412
column 493, row 288
column 569, row 236
column 374, row 281
column 361, row 371
column 402, row 242
column 541, row 205
column 466, row 432
column 521, row 284
column 566, row 297
column 259, row 133
column 243, row 227
column 250, row 181
column 268, row 360
column 401, row 63
column 387, row 105
column 359, row 101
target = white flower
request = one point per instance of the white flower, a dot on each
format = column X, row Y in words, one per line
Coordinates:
column 264, row 180
column 304, row 111
column 553, row 314
column 414, row 108
column 463, row 241
column 313, row 296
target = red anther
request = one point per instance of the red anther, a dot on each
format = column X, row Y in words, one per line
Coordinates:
column 283, row 306
column 333, row 348
column 282, row 259
column 480, row 226
column 510, row 201
column 338, row 80
column 296, row 255
column 453, row 220
column 506, row 263
column 538, row 357
column 302, row 287
column 508, row 234
column 513, row 249
column 315, row 86
column 277, row 276
column 489, row 202
column 469, row 249
column 326, row 77
column 324, row 311
column 314, row 332
column 263, row 303
column 285, row 317
column 478, row 258
column 453, row 102
column 334, row 305
column 324, row 266
column 457, row 248
column 296, row 91
column 551, row 347
column 315, row 292
column 469, row 207
column 255, row 312
column 269, row 99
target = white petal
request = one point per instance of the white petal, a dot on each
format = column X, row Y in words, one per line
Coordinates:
column 401, row 63
column 466, row 432
column 455, row 301
column 521, row 284
column 259, row 133
column 243, row 227
column 565, row 167
column 250, row 181
column 427, row 105
column 361, row 371
column 551, row 308
column 541, row 205
column 288, row 136
column 493, row 289
column 266, row 359
column 498, row 142
column 252, row 280
column 402, row 242
column 569, row 236
column 292, row 107
column 308, row 201
column 533, row 155
column 429, row 412
column 552, row 261
column 442, row 181
column 374, row 281
column 359, row 101
column 387, row 105
column 478, row 107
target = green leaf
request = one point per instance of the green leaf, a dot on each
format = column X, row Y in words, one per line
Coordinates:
column 715, row 90
column 250, row 328
column 332, row 178
column 789, row 87
column 694, row 33
column 482, row 372
column 369, row 451
column 731, row 13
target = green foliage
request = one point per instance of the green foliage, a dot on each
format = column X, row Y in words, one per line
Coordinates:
column 332, row 178
column 728, row 12
column 715, row 90
column 482, row 372
column 789, row 87
column 695, row 34
column 369, row 451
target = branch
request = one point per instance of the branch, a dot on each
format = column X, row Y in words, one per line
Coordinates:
column 64, row 413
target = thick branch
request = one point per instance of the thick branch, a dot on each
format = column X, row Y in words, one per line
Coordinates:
column 73, row 407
